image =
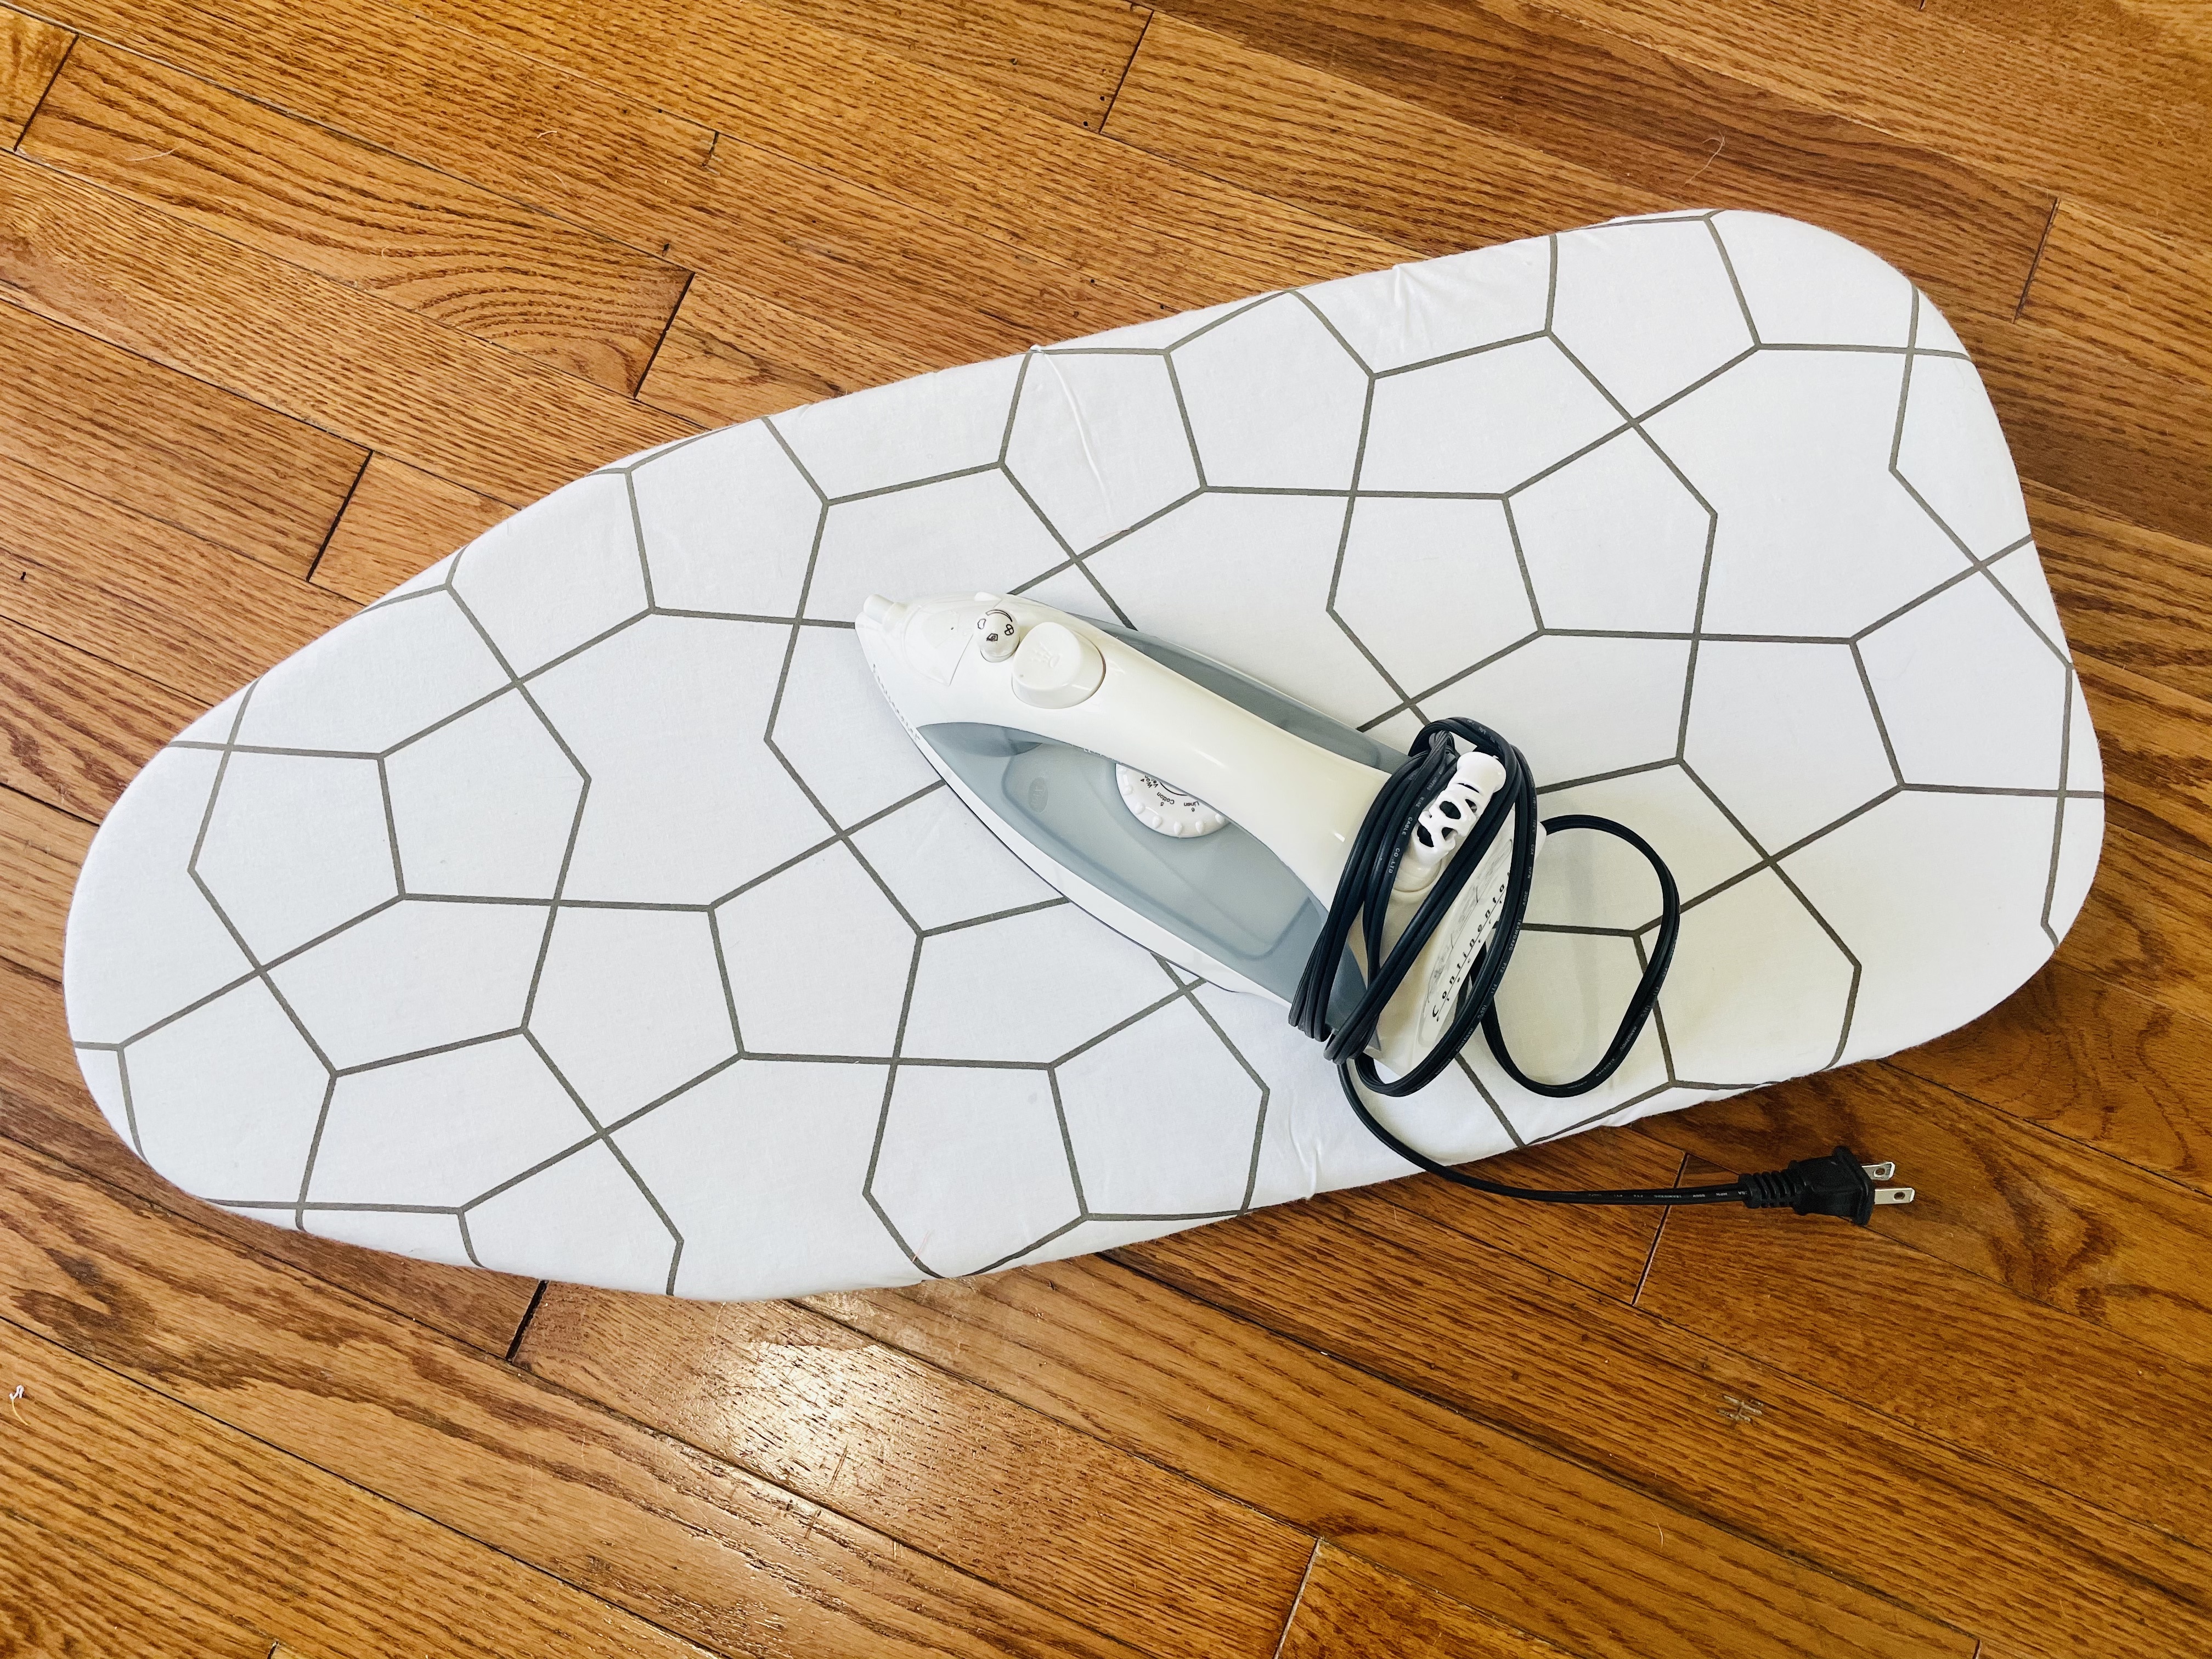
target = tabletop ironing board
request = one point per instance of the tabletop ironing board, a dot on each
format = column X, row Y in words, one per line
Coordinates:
column 579, row 910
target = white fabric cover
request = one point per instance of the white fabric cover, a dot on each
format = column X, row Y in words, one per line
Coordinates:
column 579, row 910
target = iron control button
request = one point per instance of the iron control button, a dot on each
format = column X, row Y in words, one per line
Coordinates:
column 1055, row 667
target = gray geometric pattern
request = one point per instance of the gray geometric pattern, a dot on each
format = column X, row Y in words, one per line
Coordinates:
column 612, row 924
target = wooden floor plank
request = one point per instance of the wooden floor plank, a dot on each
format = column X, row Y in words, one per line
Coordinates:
column 1960, row 1359
column 1846, row 1488
column 2128, row 597
column 214, row 1517
column 47, row 1107
column 733, row 355
column 1062, row 57
column 450, row 250
column 74, row 730
column 2125, row 290
column 1292, row 132
column 172, row 447
column 409, row 86
column 858, row 259
column 2148, row 923
column 1531, row 1539
column 821, row 245
column 2091, row 1059
column 142, row 595
column 2158, row 777
column 31, row 52
column 1601, row 103
column 58, row 1598
column 1351, row 1609
column 1606, row 1249
column 40, row 850
column 2097, row 426
column 937, row 143
column 348, row 362
column 2051, row 1221
column 2112, row 106
column 995, row 1489
column 399, row 520
column 662, row 1530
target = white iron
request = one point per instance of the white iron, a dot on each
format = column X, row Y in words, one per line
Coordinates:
column 1191, row 809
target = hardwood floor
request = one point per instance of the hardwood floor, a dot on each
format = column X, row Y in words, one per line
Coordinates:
column 295, row 299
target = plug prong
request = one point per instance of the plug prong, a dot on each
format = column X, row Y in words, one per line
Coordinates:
column 1893, row 1195
column 1879, row 1172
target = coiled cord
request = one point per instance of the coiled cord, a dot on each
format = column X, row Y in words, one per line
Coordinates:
column 1363, row 899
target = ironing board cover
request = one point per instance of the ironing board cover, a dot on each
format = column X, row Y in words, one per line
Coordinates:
column 580, row 910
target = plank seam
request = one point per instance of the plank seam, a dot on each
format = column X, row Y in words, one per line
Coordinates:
column 337, row 518
column 645, row 373
column 46, row 92
column 1658, row 1232
column 1313, row 1561
column 528, row 1314
column 2036, row 263
column 1106, row 115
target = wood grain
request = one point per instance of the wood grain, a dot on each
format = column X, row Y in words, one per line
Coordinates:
column 2105, row 101
column 974, row 1480
column 1855, row 1492
column 818, row 243
column 73, row 728
column 2148, row 923
column 1507, row 1526
column 860, row 260
column 935, row 142
column 399, row 522
column 172, row 447
column 1351, row 1609
column 2128, row 597
column 1604, row 103
column 41, row 849
column 1999, row 1199
column 127, row 1474
column 1385, row 164
column 1062, row 57
column 1606, row 1249
column 137, row 594
column 58, row 1597
column 47, row 1107
column 732, row 355
column 331, row 355
column 2124, row 438
column 512, row 124
column 1952, row 1356
column 2124, row 288
column 701, row 1548
column 2088, row 1057
column 422, row 240
column 2158, row 779
column 30, row 50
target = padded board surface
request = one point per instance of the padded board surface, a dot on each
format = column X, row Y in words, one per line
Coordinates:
column 580, row 910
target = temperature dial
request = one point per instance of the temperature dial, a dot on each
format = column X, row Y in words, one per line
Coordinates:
column 1163, row 807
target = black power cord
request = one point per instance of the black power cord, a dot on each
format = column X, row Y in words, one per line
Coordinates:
column 1836, row 1184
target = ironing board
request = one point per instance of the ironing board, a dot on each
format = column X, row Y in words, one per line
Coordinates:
column 580, row 909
